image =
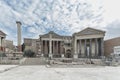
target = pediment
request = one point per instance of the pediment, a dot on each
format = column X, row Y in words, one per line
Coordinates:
column 45, row 36
column 90, row 31
column 54, row 35
column 2, row 33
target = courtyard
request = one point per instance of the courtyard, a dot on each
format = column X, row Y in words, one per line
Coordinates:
column 66, row 73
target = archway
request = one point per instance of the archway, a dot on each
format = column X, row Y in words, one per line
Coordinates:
column 68, row 54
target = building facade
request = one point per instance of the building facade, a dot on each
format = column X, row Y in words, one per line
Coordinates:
column 86, row 43
column 9, row 45
column 30, row 44
column 110, row 44
column 2, row 41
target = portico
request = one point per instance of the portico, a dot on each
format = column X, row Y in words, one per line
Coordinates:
column 89, row 43
column 2, row 41
column 51, row 46
column 94, row 46
column 86, row 43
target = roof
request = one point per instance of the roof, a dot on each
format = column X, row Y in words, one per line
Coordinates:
column 52, row 33
column 89, row 30
column 2, row 33
column 116, row 38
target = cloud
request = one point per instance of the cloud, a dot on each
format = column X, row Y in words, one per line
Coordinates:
column 112, row 12
column 113, row 30
column 62, row 16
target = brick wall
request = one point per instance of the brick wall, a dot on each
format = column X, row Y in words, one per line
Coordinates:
column 109, row 45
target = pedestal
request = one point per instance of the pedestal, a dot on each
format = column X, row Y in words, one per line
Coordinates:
column 50, row 55
column 75, row 56
column 42, row 55
column 62, row 56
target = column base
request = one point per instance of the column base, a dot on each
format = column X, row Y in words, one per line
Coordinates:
column 42, row 55
column 75, row 56
column 50, row 55
column 62, row 55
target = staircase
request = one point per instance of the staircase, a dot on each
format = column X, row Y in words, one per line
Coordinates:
column 33, row 61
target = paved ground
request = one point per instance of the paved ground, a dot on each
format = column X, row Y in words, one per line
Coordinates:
column 44, row 73
column 6, row 67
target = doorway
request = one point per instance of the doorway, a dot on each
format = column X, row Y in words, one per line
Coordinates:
column 68, row 54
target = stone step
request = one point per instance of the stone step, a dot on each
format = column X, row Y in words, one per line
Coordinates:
column 33, row 61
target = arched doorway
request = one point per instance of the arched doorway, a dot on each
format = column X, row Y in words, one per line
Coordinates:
column 68, row 54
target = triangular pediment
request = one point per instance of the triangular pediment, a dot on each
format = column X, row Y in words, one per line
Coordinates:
column 54, row 35
column 45, row 35
column 90, row 31
column 2, row 33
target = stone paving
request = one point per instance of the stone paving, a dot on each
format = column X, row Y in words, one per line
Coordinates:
column 49, row 73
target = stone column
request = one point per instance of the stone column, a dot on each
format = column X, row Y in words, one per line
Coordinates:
column 19, row 35
column 42, row 48
column 0, row 43
column 90, row 55
column 57, row 47
column 85, row 48
column 80, row 46
column 61, row 45
column 3, row 44
column 50, row 46
column 96, row 47
column 75, row 48
column 46, row 47
column 53, row 47
column 102, row 47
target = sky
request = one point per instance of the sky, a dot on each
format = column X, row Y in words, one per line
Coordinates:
column 61, row 16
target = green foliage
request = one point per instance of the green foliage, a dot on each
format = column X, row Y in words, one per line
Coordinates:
column 29, row 53
column 23, row 47
column 2, row 54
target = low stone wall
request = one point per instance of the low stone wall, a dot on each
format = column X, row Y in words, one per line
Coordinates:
column 44, row 61
column 34, row 61
column 10, row 60
column 79, row 61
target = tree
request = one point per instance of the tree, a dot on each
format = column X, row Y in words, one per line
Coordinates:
column 2, row 54
column 29, row 53
column 23, row 47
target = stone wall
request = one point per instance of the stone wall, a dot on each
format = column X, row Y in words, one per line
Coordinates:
column 33, row 61
column 109, row 45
